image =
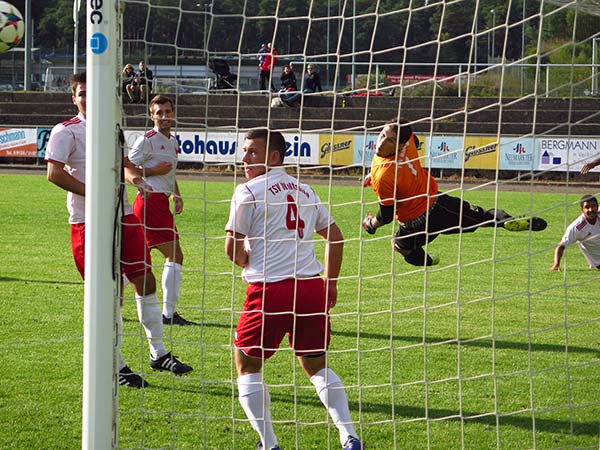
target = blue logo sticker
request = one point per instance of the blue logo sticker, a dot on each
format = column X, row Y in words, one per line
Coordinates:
column 98, row 43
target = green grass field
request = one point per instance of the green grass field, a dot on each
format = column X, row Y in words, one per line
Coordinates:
column 487, row 350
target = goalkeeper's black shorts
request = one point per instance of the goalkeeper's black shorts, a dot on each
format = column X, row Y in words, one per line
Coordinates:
column 449, row 215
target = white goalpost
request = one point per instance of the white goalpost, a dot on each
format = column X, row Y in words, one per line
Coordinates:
column 486, row 349
column 99, row 420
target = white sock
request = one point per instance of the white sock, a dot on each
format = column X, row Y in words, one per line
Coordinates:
column 333, row 395
column 150, row 318
column 171, row 284
column 256, row 402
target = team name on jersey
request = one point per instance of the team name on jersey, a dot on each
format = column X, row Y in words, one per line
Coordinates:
column 71, row 121
column 282, row 186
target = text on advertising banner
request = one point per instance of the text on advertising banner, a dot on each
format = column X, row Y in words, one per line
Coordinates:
column 517, row 153
column 566, row 154
column 336, row 149
column 18, row 142
column 481, row 152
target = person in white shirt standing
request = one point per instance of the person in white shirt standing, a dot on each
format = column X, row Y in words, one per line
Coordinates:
column 155, row 154
column 585, row 230
column 270, row 234
column 65, row 156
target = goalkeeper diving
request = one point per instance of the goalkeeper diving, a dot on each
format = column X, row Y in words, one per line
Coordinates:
column 409, row 192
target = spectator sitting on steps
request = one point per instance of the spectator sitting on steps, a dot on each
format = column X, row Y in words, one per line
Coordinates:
column 131, row 91
column 144, row 80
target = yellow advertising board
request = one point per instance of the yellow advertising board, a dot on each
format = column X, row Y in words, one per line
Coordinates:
column 422, row 150
column 481, row 152
column 338, row 151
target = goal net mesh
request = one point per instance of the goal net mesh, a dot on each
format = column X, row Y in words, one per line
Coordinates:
column 486, row 349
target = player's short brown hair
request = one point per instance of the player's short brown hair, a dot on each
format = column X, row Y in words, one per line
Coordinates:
column 76, row 80
column 405, row 129
column 586, row 199
column 160, row 100
column 275, row 140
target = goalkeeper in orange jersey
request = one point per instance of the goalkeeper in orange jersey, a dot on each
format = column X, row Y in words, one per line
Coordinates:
column 409, row 192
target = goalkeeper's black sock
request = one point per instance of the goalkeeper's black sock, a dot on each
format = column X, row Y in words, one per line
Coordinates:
column 418, row 257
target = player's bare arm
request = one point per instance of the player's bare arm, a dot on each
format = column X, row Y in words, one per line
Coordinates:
column 133, row 175
column 178, row 199
column 57, row 175
column 589, row 166
column 333, row 260
column 558, row 253
column 235, row 250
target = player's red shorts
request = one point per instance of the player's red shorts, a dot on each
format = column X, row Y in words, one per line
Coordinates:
column 154, row 212
column 135, row 256
column 303, row 317
column 78, row 245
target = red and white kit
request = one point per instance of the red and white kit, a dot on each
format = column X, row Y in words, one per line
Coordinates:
column 587, row 236
column 67, row 146
column 154, row 212
column 277, row 215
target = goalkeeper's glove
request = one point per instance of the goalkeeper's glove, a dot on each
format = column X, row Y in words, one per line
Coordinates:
column 367, row 225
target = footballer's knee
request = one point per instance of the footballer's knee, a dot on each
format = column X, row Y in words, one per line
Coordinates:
column 313, row 363
column 178, row 254
column 397, row 245
column 246, row 364
column 145, row 284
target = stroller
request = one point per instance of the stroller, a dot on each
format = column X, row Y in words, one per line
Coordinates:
column 224, row 78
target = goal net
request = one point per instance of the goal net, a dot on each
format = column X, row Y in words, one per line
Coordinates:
column 486, row 349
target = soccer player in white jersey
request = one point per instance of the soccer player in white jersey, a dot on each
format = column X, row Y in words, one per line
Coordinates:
column 65, row 156
column 270, row 234
column 154, row 153
column 585, row 230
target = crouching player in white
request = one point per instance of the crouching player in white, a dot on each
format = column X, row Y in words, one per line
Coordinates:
column 269, row 234
column 155, row 154
column 585, row 230
column 65, row 156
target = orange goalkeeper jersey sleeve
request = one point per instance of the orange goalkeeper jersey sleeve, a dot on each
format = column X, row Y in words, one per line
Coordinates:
column 402, row 180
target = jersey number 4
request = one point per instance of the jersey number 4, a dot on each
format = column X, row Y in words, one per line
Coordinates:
column 292, row 220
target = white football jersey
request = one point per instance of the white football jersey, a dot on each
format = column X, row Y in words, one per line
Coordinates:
column 67, row 145
column 588, row 238
column 278, row 216
column 151, row 149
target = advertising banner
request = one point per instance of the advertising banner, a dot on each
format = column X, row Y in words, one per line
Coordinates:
column 18, row 142
column 43, row 136
column 336, row 149
column 517, row 154
column 445, row 152
column 301, row 148
column 481, row 152
column 226, row 147
column 566, row 154
column 364, row 149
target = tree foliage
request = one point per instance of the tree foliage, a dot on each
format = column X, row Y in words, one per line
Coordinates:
column 430, row 31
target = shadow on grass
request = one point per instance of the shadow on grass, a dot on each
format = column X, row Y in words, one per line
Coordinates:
column 523, row 346
column 27, row 280
column 410, row 413
column 499, row 344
